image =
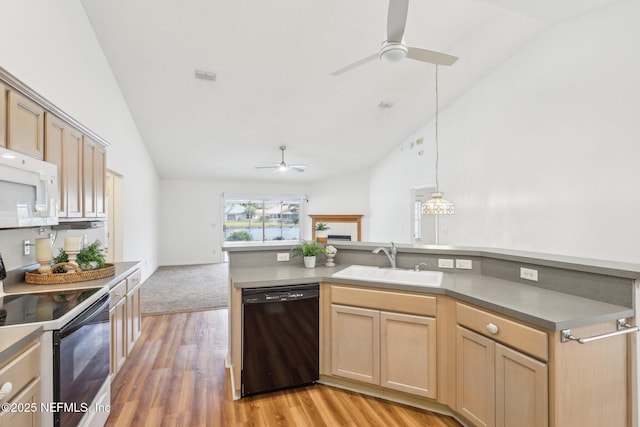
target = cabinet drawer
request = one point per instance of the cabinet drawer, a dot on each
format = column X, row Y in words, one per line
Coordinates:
column 133, row 280
column 117, row 293
column 383, row 300
column 21, row 371
column 498, row 328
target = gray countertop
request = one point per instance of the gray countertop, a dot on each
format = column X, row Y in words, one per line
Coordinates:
column 588, row 265
column 540, row 307
column 15, row 339
column 123, row 269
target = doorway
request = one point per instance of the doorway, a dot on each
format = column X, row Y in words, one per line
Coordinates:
column 423, row 227
column 115, row 211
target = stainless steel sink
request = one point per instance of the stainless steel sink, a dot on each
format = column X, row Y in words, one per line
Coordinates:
column 388, row 275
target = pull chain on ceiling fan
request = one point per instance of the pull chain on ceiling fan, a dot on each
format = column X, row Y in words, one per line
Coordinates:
column 283, row 166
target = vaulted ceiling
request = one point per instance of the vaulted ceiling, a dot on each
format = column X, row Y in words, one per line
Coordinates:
column 272, row 62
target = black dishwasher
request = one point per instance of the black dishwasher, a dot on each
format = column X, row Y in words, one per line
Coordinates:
column 280, row 339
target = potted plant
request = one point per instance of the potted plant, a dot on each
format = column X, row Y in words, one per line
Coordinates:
column 308, row 250
column 322, row 231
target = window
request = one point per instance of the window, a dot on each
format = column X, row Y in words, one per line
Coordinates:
column 262, row 218
column 417, row 218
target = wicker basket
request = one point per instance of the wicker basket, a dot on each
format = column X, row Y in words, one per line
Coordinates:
column 77, row 275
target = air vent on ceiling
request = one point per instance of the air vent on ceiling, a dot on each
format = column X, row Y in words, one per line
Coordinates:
column 205, row 75
column 385, row 105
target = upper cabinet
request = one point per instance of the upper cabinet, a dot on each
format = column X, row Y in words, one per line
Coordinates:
column 3, row 115
column 63, row 147
column 32, row 125
column 25, row 125
column 94, row 165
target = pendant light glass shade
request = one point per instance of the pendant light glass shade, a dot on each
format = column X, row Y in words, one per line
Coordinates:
column 436, row 205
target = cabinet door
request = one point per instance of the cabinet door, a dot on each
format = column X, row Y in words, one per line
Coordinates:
column 3, row 115
column 75, row 195
column 355, row 343
column 117, row 316
column 475, row 366
column 25, row 126
column 521, row 390
column 94, row 169
column 29, row 398
column 408, row 353
column 134, row 318
column 56, row 153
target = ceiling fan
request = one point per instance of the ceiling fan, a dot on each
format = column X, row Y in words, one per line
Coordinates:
column 283, row 166
column 394, row 48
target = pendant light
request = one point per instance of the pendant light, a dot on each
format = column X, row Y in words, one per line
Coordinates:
column 437, row 205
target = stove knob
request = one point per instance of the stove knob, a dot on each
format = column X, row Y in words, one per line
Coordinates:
column 5, row 390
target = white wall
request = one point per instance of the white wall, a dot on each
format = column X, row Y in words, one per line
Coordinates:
column 347, row 195
column 191, row 211
column 51, row 47
column 543, row 154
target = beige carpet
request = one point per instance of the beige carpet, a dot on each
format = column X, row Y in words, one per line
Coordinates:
column 186, row 288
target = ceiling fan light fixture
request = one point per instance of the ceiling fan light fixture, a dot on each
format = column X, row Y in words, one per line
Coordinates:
column 393, row 51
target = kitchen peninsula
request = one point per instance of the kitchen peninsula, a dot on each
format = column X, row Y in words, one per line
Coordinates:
column 486, row 346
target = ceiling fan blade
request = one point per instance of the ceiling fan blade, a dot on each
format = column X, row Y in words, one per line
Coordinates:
column 431, row 56
column 397, row 19
column 298, row 168
column 274, row 166
column 355, row 64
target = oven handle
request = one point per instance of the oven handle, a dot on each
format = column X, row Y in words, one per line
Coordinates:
column 86, row 316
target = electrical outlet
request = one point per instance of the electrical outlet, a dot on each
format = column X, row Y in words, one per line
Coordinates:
column 445, row 263
column 529, row 274
column 282, row 256
column 464, row 264
column 26, row 247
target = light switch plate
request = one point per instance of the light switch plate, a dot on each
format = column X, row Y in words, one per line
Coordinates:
column 282, row 256
column 464, row 264
column 445, row 263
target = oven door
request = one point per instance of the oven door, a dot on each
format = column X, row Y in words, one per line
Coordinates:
column 80, row 362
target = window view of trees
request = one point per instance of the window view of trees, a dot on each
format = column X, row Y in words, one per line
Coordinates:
column 261, row 219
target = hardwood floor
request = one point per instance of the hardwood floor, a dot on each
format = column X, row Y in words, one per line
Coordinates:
column 176, row 376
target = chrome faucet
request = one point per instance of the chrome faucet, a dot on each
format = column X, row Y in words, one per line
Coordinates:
column 390, row 254
column 417, row 266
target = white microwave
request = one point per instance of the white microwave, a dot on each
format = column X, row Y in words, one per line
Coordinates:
column 28, row 190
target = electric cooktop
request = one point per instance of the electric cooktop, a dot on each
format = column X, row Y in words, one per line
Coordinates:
column 18, row 309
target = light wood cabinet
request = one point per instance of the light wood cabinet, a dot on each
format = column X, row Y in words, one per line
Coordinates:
column 134, row 312
column 392, row 349
column 118, row 319
column 499, row 385
column 63, row 147
column 355, row 343
column 408, row 353
column 126, row 318
column 25, row 125
column 475, row 373
column 23, row 372
column 94, row 169
column 3, row 115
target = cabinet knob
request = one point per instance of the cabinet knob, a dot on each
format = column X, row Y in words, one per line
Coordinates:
column 5, row 390
column 492, row 328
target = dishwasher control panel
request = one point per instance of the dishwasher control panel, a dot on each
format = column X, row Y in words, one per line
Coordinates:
column 289, row 293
